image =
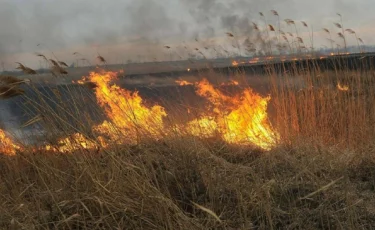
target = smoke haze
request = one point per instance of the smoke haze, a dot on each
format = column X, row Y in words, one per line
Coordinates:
column 127, row 29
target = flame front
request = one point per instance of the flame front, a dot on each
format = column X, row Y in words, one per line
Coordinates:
column 125, row 110
column 232, row 82
column 6, row 144
column 249, row 122
column 204, row 127
column 73, row 143
column 342, row 87
column 183, row 82
column 241, row 119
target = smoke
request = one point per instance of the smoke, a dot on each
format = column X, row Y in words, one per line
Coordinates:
column 130, row 27
column 10, row 31
column 41, row 25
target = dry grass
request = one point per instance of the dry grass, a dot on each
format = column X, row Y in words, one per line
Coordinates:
column 320, row 176
column 187, row 184
column 10, row 86
column 26, row 69
column 334, row 108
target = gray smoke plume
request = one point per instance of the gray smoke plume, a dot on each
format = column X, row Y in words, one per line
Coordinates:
column 146, row 26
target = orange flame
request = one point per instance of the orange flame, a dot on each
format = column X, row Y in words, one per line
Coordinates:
column 6, row 144
column 204, row 127
column 73, row 143
column 125, row 109
column 342, row 87
column 231, row 82
column 240, row 120
column 254, row 61
column 183, row 82
column 235, row 63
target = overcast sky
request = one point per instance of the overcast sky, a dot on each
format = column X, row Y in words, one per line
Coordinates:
column 130, row 29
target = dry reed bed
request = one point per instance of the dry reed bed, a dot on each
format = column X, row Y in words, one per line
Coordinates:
column 320, row 176
column 189, row 184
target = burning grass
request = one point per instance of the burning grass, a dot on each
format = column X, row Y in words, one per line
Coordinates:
column 137, row 170
column 125, row 109
column 7, row 146
column 299, row 157
column 240, row 119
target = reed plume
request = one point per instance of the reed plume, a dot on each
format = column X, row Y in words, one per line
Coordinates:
column 255, row 26
column 54, row 62
column 300, row 40
column 9, row 91
column 338, row 25
column 63, row 63
column 271, row 28
column 289, row 21
column 42, row 56
column 274, row 12
column 230, row 34
column 58, row 69
column 101, row 59
column 26, row 69
column 11, row 80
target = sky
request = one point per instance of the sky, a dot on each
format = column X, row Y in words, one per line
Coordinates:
column 122, row 30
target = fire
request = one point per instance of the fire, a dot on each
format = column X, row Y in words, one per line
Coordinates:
column 235, row 63
column 249, row 122
column 125, row 109
column 254, row 61
column 183, row 82
column 342, row 87
column 73, row 143
column 234, row 82
column 231, row 82
column 6, row 144
column 239, row 120
column 208, row 91
column 204, row 127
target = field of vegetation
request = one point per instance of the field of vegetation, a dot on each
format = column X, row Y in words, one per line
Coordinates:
column 300, row 157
